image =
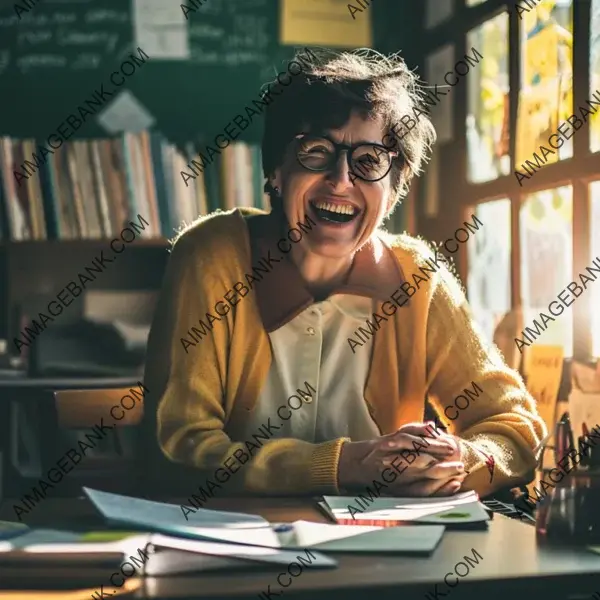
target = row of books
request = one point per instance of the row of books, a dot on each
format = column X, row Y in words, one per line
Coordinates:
column 90, row 189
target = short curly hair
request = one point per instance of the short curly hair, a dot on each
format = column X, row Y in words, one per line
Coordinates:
column 331, row 85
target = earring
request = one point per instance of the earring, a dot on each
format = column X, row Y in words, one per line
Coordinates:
column 276, row 190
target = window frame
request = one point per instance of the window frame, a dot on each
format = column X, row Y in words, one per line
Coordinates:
column 578, row 171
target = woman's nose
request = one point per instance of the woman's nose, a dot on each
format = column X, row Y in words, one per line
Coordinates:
column 339, row 174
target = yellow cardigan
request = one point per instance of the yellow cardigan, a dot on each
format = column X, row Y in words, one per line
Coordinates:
column 430, row 347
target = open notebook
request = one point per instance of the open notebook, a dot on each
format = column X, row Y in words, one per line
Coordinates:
column 458, row 510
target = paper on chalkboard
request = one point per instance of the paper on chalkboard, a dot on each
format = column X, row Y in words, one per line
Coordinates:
column 125, row 113
column 160, row 28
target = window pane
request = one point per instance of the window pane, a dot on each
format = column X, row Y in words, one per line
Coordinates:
column 546, row 220
column 546, row 94
column 488, row 281
column 595, row 232
column 595, row 74
column 487, row 102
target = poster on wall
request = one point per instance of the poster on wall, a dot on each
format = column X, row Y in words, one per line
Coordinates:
column 326, row 23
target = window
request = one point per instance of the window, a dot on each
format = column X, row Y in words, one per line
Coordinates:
column 546, row 220
column 595, row 289
column 595, row 73
column 487, row 103
column 488, row 282
column 546, row 94
column 526, row 258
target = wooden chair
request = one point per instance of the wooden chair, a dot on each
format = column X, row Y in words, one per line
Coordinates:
column 82, row 410
column 137, row 465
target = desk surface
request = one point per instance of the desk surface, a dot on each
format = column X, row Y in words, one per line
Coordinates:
column 64, row 383
column 512, row 562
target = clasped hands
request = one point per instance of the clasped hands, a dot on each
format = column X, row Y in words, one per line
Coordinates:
column 436, row 468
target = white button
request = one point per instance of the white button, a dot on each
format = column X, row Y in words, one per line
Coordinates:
column 310, row 330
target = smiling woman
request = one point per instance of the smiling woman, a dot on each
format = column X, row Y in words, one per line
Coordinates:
column 325, row 162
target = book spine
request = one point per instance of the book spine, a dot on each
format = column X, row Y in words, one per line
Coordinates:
column 66, row 194
column 14, row 218
column 21, row 190
column 84, row 172
column 159, row 167
column 76, row 187
column 51, row 213
column 150, row 181
column 98, row 182
column 28, row 149
column 112, row 184
column 227, row 170
column 129, row 172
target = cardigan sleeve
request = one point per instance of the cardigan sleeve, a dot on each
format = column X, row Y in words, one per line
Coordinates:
column 498, row 415
column 190, row 385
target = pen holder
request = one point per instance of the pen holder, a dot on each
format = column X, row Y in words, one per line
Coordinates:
column 570, row 512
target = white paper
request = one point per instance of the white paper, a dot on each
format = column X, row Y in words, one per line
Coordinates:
column 309, row 534
column 125, row 113
column 270, row 555
column 437, row 65
column 255, row 536
column 160, row 28
column 427, row 510
column 437, row 11
column 364, row 538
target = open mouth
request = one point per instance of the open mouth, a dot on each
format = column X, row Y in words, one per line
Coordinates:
column 334, row 213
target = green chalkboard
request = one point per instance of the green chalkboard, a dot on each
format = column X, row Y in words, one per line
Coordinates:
column 60, row 52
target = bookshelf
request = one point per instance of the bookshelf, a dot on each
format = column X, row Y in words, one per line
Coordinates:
column 73, row 204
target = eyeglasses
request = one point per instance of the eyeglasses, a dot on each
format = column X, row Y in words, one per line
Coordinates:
column 369, row 162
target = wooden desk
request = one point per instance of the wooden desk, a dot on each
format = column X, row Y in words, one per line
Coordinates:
column 512, row 563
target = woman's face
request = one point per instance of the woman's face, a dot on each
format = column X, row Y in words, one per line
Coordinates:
column 304, row 191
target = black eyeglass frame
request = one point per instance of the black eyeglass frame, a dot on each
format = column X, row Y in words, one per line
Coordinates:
column 338, row 148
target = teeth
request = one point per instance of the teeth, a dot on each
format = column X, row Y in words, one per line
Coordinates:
column 346, row 209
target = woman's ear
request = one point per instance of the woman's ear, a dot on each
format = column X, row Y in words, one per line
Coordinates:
column 275, row 178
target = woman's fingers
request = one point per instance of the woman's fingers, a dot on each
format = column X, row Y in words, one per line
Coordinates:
column 450, row 488
column 405, row 441
column 445, row 470
column 423, row 461
column 431, row 487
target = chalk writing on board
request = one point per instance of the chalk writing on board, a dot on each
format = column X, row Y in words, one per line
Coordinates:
column 206, row 31
column 104, row 16
column 24, row 63
column 77, row 36
column 87, row 60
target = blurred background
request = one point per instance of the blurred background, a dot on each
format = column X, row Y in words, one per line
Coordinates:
column 541, row 60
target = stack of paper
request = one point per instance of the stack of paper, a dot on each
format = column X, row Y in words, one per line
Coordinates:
column 253, row 538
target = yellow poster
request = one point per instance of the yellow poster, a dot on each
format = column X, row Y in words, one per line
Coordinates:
column 543, row 369
column 545, row 95
column 327, row 23
column 536, row 122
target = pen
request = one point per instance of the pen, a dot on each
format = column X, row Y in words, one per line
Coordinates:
column 540, row 446
column 564, row 440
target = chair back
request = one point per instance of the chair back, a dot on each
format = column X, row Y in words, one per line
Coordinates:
column 108, row 414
